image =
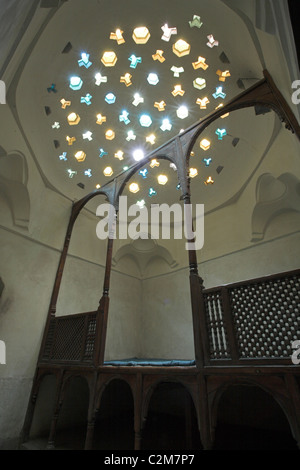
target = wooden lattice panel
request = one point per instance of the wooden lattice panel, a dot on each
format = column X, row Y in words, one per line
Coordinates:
column 218, row 342
column 266, row 317
column 90, row 338
column 69, row 335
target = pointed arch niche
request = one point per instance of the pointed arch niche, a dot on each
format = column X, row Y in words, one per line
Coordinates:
column 150, row 318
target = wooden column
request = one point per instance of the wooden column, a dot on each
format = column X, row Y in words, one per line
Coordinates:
column 204, row 414
column 57, row 407
column 138, row 412
column 104, row 301
column 198, row 307
column 91, row 415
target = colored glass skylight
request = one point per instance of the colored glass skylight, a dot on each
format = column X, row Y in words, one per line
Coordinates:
column 123, row 117
column 85, row 60
column 200, row 63
column 87, row 135
column 138, row 155
column 110, row 134
column 177, row 70
column 158, row 55
column 102, row 153
column 126, row 79
column 144, row 173
column 196, row 22
column 110, row 98
column 162, row 179
column 134, row 188
column 145, row 120
column 161, row 105
column 168, row 32
column 87, row 99
column 109, row 58
column 199, row 83
column 193, row 172
column 63, row 156
column 211, row 41
column 202, row 102
column 137, row 99
column 71, row 173
column 152, row 192
column 154, row 163
column 205, row 144
column 181, row 48
column 130, row 136
column 178, row 91
column 108, row 171
column 73, row 119
column 65, row 103
column 134, row 61
column 209, row 180
column 100, row 119
column 119, row 154
column 141, row 35
column 153, row 79
column 207, row 161
column 166, row 125
column 221, row 133
column 75, row 83
column 151, row 139
column 88, row 173
column 117, row 36
column 219, row 93
column 100, row 79
column 80, row 156
column 182, row 112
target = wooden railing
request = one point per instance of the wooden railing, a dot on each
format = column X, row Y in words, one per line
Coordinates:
column 71, row 339
column 255, row 320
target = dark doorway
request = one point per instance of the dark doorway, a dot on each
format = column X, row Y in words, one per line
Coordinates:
column 250, row 419
column 114, row 427
column 171, row 420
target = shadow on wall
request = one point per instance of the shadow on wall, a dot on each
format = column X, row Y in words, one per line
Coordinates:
column 13, row 186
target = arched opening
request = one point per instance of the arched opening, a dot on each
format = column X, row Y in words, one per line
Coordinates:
column 248, row 418
column 150, row 309
column 43, row 411
column 82, row 281
column 114, row 427
column 171, row 421
column 72, row 421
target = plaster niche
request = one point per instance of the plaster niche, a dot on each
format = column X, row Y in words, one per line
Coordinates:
column 274, row 196
column 13, row 186
column 144, row 252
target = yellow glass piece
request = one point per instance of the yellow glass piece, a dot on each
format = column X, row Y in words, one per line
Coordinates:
column 181, row 48
column 154, row 163
column 200, row 63
column 158, row 56
column 109, row 134
column 160, row 105
column 209, row 180
column 100, row 119
column 108, row 171
column 117, row 36
column 199, row 83
column 73, row 119
column 109, row 59
column 221, row 106
column 162, row 179
column 65, row 103
column 126, row 79
column 141, row 35
column 119, row 154
column 205, row 144
column 134, row 188
column 202, row 102
column 98, row 186
column 193, row 172
column 70, row 140
column 223, row 75
column 151, row 139
column 80, row 156
column 178, row 91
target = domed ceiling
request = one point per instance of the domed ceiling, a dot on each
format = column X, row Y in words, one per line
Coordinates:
column 110, row 81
